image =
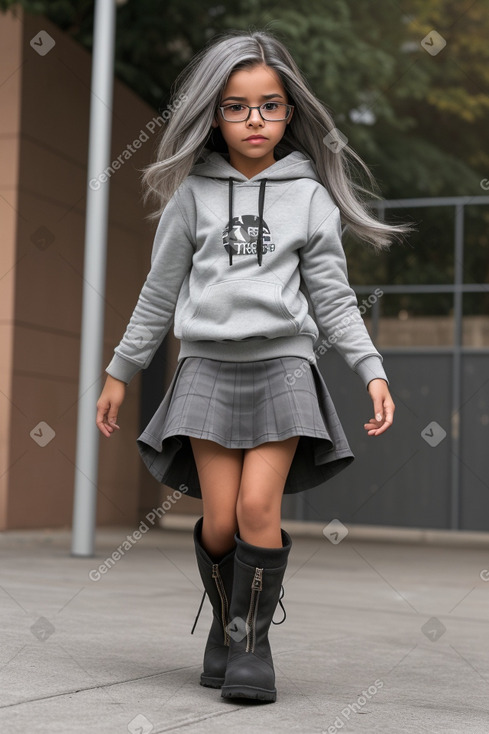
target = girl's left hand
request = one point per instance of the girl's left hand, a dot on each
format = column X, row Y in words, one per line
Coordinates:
column 383, row 407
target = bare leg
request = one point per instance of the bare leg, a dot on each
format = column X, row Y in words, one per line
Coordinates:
column 219, row 470
column 258, row 509
column 242, row 488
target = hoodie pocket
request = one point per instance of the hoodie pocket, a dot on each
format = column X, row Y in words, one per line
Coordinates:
column 241, row 309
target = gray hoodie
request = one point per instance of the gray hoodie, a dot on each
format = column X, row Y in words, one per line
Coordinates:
column 248, row 269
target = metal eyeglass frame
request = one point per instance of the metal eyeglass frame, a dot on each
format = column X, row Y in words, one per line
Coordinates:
column 289, row 107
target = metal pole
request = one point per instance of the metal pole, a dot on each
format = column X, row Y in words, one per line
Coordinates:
column 376, row 305
column 457, row 367
column 86, row 465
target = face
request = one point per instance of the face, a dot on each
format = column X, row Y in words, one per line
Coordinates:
column 253, row 87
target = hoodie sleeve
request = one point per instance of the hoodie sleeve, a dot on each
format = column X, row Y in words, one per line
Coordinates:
column 151, row 319
column 324, row 270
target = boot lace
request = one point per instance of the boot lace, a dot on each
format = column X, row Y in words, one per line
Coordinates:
column 198, row 613
column 283, row 608
column 279, row 601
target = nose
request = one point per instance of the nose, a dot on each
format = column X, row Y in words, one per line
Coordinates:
column 255, row 117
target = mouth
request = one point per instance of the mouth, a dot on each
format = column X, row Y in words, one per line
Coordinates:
column 256, row 137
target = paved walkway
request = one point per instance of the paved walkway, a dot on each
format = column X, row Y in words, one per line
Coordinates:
column 379, row 637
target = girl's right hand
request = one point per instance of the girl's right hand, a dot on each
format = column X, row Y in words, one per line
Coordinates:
column 108, row 405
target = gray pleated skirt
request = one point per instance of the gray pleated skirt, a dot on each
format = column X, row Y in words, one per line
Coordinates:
column 241, row 405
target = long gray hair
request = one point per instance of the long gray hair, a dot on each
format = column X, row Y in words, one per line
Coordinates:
column 188, row 135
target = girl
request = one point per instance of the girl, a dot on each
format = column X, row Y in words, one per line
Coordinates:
column 253, row 187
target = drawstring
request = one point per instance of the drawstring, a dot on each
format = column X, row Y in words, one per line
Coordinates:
column 259, row 240
column 279, row 601
column 230, row 220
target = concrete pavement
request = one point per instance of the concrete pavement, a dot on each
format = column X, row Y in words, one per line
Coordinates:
column 379, row 637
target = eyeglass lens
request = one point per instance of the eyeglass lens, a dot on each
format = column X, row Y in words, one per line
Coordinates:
column 269, row 110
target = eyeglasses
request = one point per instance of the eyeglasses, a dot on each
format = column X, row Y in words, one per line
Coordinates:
column 269, row 111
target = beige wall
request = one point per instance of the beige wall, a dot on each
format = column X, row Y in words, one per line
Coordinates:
column 430, row 331
column 44, row 137
column 10, row 94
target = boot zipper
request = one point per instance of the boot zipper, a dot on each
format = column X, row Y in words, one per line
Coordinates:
column 256, row 587
column 224, row 601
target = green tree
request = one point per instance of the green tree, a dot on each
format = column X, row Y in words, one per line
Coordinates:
column 418, row 119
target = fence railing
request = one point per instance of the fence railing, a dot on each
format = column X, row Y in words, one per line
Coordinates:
column 457, row 288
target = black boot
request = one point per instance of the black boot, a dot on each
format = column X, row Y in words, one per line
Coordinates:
column 218, row 584
column 258, row 576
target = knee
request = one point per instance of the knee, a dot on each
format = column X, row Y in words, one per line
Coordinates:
column 254, row 510
column 220, row 528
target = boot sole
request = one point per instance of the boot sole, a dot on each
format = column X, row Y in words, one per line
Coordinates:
column 260, row 694
column 209, row 682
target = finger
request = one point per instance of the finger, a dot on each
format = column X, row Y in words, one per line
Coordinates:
column 379, row 410
column 109, row 426
column 388, row 416
column 371, row 427
column 112, row 412
column 389, row 412
column 377, row 430
column 102, row 420
column 375, row 427
column 371, row 424
column 103, row 428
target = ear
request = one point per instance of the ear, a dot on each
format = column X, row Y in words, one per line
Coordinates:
column 290, row 116
column 214, row 121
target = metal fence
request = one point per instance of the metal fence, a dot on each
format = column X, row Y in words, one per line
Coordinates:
column 431, row 468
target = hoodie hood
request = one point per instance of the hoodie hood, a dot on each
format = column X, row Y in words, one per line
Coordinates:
column 292, row 166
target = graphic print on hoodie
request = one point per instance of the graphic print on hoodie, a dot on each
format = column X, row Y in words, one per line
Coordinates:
column 241, row 236
column 248, row 268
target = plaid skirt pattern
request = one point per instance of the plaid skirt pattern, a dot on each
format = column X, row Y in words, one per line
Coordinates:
column 241, row 405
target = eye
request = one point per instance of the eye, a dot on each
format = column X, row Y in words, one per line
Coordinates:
column 270, row 106
column 235, row 107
